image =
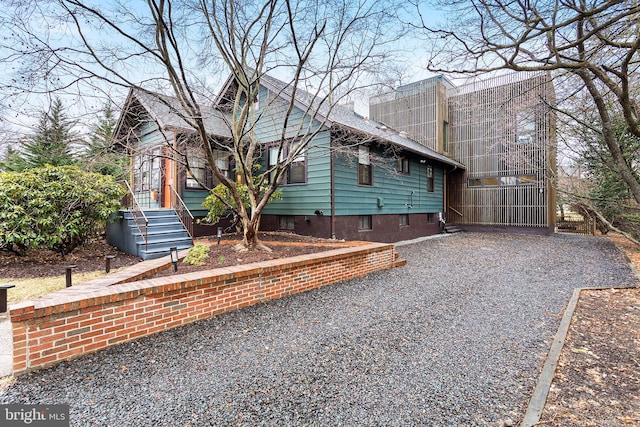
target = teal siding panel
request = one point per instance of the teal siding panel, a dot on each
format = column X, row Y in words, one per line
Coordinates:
column 391, row 193
column 271, row 119
column 304, row 199
column 150, row 135
column 193, row 200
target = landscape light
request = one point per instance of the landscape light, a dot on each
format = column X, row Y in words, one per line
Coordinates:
column 107, row 263
column 68, row 269
column 174, row 258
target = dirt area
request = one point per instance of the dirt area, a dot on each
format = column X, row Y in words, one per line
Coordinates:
column 281, row 245
column 45, row 263
column 597, row 381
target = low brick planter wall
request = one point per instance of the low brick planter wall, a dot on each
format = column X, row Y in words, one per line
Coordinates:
column 77, row 321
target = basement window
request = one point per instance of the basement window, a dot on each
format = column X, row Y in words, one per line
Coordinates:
column 364, row 223
column 286, row 222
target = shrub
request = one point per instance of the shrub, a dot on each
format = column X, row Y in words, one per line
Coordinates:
column 197, row 255
column 57, row 207
column 218, row 210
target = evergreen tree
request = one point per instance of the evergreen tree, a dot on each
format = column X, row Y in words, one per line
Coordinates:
column 50, row 144
column 12, row 161
column 103, row 155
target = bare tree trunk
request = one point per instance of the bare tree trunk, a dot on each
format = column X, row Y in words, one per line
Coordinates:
column 609, row 136
column 250, row 238
column 616, row 229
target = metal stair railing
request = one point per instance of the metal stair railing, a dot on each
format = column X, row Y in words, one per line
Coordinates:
column 183, row 212
column 139, row 218
column 453, row 210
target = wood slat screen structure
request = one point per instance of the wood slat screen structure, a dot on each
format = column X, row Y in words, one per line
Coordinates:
column 420, row 109
column 503, row 131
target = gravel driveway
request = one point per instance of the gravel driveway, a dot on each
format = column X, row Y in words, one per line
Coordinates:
column 455, row 338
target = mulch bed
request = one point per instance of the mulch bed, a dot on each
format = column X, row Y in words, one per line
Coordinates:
column 597, row 381
column 281, row 245
column 42, row 262
column 91, row 257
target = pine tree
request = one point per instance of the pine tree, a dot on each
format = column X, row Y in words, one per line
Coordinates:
column 50, row 144
column 12, row 161
column 102, row 154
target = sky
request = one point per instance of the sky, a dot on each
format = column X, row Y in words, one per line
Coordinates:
column 86, row 99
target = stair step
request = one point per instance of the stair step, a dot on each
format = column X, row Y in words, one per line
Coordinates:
column 166, row 220
column 153, row 253
column 166, row 241
column 450, row 230
column 164, row 231
column 152, row 232
column 155, row 228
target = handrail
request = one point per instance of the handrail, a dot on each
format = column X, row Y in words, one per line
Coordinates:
column 452, row 209
column 139, row 218
column 183, row 212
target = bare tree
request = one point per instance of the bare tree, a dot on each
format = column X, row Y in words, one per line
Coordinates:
column 324, row 51
column 591, row 45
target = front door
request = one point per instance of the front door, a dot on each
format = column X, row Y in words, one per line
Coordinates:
column 146, row 178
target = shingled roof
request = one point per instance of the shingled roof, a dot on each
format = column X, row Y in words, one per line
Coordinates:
column 340, row 116
column 170, row 115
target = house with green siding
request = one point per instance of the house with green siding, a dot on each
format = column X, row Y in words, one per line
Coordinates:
column 357, row 179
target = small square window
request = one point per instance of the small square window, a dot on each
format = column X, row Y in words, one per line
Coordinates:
column 431, row 218
column 364, row 222
column 404, row 220
column 403, row 165
column 286, row 222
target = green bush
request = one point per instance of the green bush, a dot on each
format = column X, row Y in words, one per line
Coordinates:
column 197, row 255
column 57, row 207
column 218, row 210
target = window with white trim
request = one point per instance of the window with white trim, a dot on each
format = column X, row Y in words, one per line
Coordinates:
column 365, row 176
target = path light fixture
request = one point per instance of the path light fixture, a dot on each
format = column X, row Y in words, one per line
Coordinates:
column 107, row 263
column 174, row 258
column 3, row 295
column 219, row 235
column 68, row 269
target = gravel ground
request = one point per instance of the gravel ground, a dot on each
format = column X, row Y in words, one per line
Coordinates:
column 455, row 338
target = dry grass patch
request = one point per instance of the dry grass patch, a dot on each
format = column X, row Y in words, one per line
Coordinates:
column 30, row 288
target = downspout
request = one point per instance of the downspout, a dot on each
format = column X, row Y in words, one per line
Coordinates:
column 333, row 192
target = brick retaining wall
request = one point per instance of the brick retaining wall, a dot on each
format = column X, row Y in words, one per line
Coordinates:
column 77, row 321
